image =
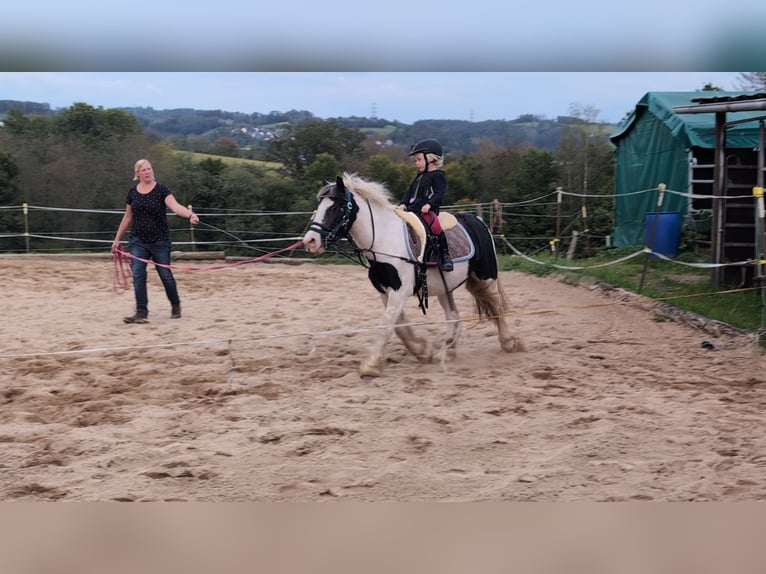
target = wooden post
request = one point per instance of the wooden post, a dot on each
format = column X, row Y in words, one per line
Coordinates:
column 559, row 194
column 585, row 229
column 719, row 217
column 760, row 230
column 584, row 211
column 572, row 245
column 759, row 252
column 496, row 216
column 25, row 210
column 191, row 230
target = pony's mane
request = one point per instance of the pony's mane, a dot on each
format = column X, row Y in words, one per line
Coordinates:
column 372, row 191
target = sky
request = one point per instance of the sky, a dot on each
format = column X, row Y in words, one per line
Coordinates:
column 403, row 96
column 398, row 60
column 395, row 35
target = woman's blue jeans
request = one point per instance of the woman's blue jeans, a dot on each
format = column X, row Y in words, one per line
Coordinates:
column 159, row 252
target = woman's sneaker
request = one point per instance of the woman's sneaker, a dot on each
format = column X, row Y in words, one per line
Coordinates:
column 175, row 313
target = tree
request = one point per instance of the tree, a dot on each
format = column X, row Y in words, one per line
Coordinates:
column 751, row 81
column 80, row 159
column 10, row 194
column 251, row 190
column 96, row 124
column 324, row 166
column 396, row 176
column 584, row 158
column 535, row 178
column 226, row 146
column 18, row 124
column 461, row 187
column 298, row 146
column 482, row 176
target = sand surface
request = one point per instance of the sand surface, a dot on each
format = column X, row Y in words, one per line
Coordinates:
column 254, row 394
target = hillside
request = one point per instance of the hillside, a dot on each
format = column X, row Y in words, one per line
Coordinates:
column 185, row 127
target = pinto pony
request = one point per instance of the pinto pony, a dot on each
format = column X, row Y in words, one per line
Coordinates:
column 393, row 244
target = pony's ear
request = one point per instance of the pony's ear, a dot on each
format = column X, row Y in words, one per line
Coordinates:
column 325, row 181
column 339, row 183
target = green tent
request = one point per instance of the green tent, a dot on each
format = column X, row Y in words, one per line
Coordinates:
column 656, row 145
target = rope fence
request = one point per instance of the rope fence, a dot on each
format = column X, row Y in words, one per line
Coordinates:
column 21, row 219
column 267, row 232
column 267, row 240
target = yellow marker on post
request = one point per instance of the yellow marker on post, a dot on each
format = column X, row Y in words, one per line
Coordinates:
column 758, row 193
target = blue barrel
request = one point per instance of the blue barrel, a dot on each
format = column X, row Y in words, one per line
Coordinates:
column 663, row 232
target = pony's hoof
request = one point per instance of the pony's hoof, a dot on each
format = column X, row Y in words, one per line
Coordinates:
column 367, row 370
column 425, row 357
column 421, row 349
column 512, row 345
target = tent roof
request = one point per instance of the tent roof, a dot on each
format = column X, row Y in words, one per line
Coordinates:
column 695, row 129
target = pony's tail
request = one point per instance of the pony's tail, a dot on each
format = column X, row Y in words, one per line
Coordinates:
column 489, row 296
column 484, row 281
column 484, row 262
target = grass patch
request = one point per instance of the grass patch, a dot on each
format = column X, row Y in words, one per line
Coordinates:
column 266, row 165
column 380, row 132
column 672, row 282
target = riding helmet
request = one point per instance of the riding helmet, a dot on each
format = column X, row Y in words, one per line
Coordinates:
column 427, row 146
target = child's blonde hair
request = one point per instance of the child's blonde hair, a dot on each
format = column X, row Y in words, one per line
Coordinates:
column 437, row 160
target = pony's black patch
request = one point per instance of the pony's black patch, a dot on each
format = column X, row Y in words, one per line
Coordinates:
column 339, row 216
column 384, row 276
column 484, row 264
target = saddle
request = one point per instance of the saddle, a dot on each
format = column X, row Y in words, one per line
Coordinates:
column 420, row 237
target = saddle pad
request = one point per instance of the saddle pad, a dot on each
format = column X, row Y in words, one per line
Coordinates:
column 460, row 244
column 415, row 225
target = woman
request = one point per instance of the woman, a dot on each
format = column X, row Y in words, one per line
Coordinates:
column 426, row 192
column 146, row 215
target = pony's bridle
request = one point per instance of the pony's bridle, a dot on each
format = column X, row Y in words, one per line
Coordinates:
column 347, row 209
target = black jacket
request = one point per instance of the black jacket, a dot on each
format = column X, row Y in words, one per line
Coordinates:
column 427, row 187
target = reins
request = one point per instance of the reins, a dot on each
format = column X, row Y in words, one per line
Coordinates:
column 123, row 272
column 242, row 242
